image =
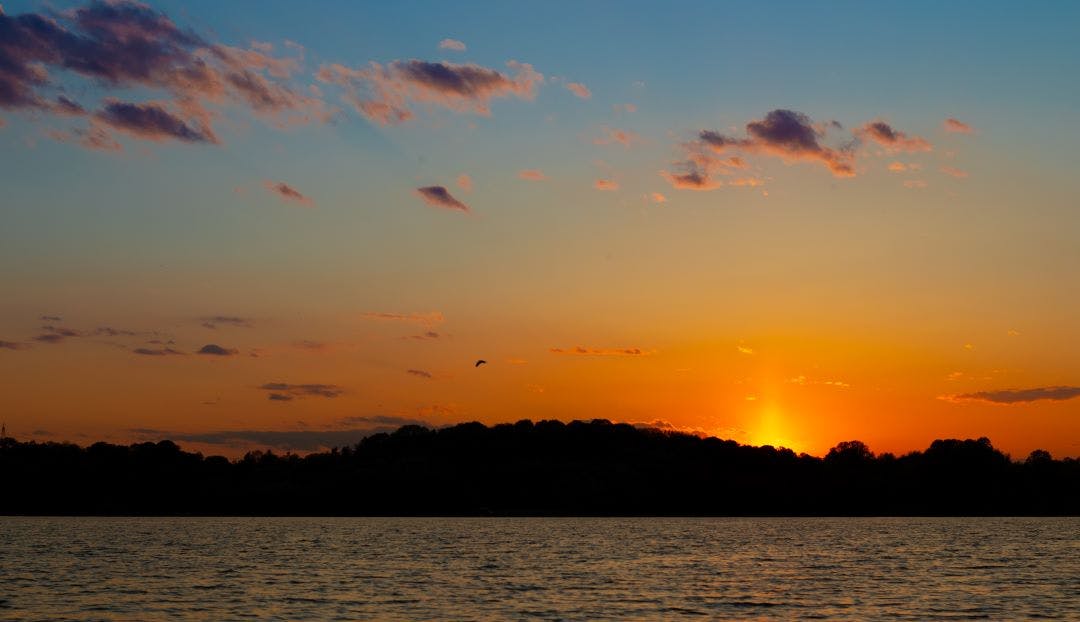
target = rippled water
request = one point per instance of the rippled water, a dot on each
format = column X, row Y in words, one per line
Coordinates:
column 577, row 568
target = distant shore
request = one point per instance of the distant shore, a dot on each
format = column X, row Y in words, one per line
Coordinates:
column 547, row 468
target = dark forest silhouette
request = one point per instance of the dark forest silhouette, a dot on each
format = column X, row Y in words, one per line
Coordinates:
column 546, row 468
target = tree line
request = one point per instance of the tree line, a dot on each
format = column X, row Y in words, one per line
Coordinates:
column 544, row 468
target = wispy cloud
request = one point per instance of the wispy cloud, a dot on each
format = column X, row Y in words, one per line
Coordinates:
column 956, row 126
column 915, row 184
column 452, row 44
column 13, row 345
column 420, row 373
column 386, row 93
column 954, row 172
column 465, row 182
column 282, row 391
column 613, row 135
column 532, row 174
column 656, row 197
column 287, row 193
column 439, row 196
column 606, row 184
column 586, row 351
column 1016, row 396
column 430, row 318
column 579, row 90
column 216, row 321
column 893, row 140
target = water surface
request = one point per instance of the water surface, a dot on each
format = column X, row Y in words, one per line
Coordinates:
column 544, row 568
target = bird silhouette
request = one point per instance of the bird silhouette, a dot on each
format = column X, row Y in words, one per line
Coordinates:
column 480, row 362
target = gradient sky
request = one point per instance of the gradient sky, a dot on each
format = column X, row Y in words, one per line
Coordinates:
column 282, row 223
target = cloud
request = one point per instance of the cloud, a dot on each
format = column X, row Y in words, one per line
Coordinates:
column 288, row 193
column 125, row 46
column 956, row 126
column 452, row 44
column 212, row 349
column 893, row 140
column 785, row 134
column 656, row 197
column 49, row 338
column 431, row 318
column 532, row 174
column 157, row 352
column 419, row 373
column 152, row 121
column 63, row 331
column 611, row 135
column 426, row 336
column 915, row 184
column 465, row 182
column 691, row 180
column 51, row 318
column 228, row 320
column 1015, row 396
column 284, row 391
column 108, row 331
column 584, row 351
column 804, row 381
column 897, row 167
column 12, row 345
column 579, row 90
column 606, row 184
column 954, row 172
column 386, row 94
column 627, row 108
column 439, row 196
column 744, row 350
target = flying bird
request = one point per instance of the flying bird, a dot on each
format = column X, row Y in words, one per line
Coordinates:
column 480, row 362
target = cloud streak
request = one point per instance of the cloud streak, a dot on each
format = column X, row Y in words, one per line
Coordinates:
column 1017, row 396
column 282, row 391
column 287, row 193
column 587, row 351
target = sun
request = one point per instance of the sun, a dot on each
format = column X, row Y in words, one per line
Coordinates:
column 773, row 429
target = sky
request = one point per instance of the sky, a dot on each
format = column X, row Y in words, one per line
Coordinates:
column 282, row 224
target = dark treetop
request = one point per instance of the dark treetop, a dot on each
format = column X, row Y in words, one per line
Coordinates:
column 546, row 468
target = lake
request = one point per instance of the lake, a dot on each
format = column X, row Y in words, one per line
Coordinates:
column 538, row 568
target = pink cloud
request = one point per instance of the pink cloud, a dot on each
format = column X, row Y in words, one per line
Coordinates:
column 386, row 94
column 579, row 90
column 892, row 139
column 954, row 172
column 956, row 126
column 465, row 182
column 532, row 174
column 610, row 135
column 452, row 44
column 606, row 184
column 785, row 134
